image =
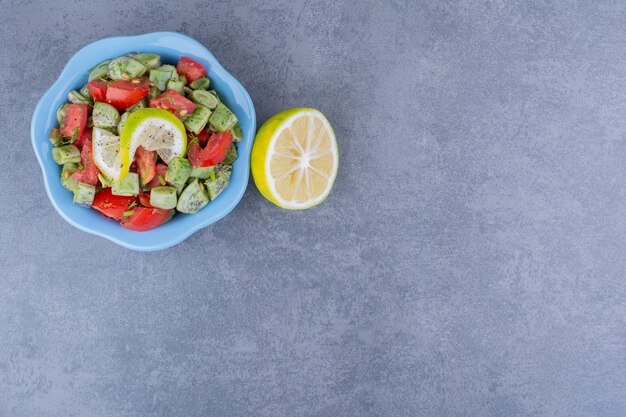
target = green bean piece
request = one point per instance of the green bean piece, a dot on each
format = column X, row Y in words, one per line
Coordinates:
column 141, row 104
column 200, row 84
column 202, row 172
column 104, row 115
column 99, row 71
column 123, row 119
column 105, row 180
column 236, row 134
column 61, row 113
column 84, row 91
column 163, row 197
column 217, row 184
column 222, row 118
column 193, row 198
column 178, row 171
column 84, row 194
column 126, row 68
column 197, row 120
column 188, row 91
column 150, row 61
column 154, row 92
column 66, row 175
column 176, row 85
column 127, row 186
column 232, row 155
column 205, row 98
column 65, row 154
column 55, row 136
column 75, row 97
column 160, row 76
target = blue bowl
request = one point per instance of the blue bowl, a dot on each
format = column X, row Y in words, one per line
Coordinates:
column 171, row 46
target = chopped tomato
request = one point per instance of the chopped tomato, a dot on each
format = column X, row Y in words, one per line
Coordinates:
column 146, row 161
column 215, row 151
column 175, row 102
column 111, row 205
column 144, row 199
column 203, row 137
column 161, row 169
column 84, row 136
column 98, row 89
column 122, row 94
column 145, row 218
column 89, row 173
column 75, row 118
column 190, row 69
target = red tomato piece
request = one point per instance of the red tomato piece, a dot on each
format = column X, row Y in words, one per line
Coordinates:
column 144, row 199
column 161, row 169
column 175, row 102
column 122, row 94
column 145, row 218
column 84, row 136
column 146, row 164
column 110, row 205
column 203, row 137
column 98, row 89
column 190, row 69
column 89, row 173
column 215, row 151
column 75, row 118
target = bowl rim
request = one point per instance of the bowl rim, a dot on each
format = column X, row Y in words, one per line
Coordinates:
column 181, row 233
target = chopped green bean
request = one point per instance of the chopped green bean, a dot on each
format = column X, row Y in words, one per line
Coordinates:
column 197, row 120
column 66, row 175
column 84, row 194
column 55, row 136
column 125, row 68
column 176, row 85
column 200, row 84
column 202, row 172
column 232, row 155
column 65, row 154
column 163, row 197
column 193, row 198
column 178, row 171
column 216, row 185
column 150, row 61
column 104, row 115
column 235, row 133
column 75, row 97
column 222, row 118
column 127, row 186
column 61, row 113
column 99, row 71
column 205, row 98
column 161, row 75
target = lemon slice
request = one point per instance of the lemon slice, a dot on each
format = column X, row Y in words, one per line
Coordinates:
column 154, row 129
column 106, row 152
column 294, row 160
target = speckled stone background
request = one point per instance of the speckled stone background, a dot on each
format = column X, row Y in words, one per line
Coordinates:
column 470, row 260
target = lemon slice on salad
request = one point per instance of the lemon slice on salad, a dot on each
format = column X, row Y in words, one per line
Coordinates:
column 294, row 159
column 106, row 152
column 154, row 129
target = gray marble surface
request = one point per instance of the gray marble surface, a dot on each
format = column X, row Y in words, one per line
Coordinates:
column 470, row 260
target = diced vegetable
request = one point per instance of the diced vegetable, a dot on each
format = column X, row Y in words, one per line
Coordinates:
column 193, row 198
column 84, row 194
column 146, row 164
column 202, row 173
column 200, row 84
column 176, row 85
column 236, row 133
column 123, row 118
column 55, row 136
column 66, row 176
column 232, row 155
column 174, row 102
column 111, row 205
column 66, row 154
column 163, row 197
column 213, row 153
column 222, row 118
column 160, row 76
column 61, row 113
column 104, row 180
column 84, row 91
column 141, row 219
column 125, row 68
column 77, row 98
column 123, row 94
column 141, row 104
column 150, row 61
column 159, row 177
column 104, row 115
column 190, row 69
column 154, row 92
column 74, row 120
column 216, row 184
column 197, row 120
column 99, row 71
column 89, row 173
column 178, row 171
column 98, row 89
column 129, row 185
column 205, row 98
